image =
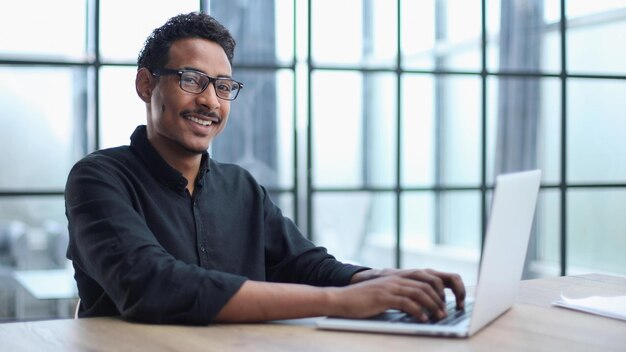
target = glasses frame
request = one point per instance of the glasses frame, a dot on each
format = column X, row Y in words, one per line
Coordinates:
column 158, row 72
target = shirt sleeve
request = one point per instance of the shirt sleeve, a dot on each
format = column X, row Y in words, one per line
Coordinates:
column 293, row 258
column 112, row 245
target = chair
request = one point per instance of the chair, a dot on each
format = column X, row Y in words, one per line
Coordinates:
column 76, row 310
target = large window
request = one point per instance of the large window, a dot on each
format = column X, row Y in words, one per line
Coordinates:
column 433, row 99
column 377, row 125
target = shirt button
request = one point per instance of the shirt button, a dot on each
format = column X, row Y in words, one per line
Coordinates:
column 203, row 250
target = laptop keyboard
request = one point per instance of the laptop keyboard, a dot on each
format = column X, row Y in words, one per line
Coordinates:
column 454, row 316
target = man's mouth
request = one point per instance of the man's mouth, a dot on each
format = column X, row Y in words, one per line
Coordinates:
column 208, row 122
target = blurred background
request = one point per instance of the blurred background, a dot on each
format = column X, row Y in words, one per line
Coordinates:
column 378, row 125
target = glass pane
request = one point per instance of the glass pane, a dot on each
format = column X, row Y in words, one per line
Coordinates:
column 441, row 132
column 285, row 129
column 442, row 231
column 379, row 127
column 354, row 140
column 582, row 8
column 459, row 222
column 459, row 113
column 33, row 236
column 543, row 259
column 587, row 21
column 263, row 30
column 418, row 127
column 354, row 32
column 523, row 36
column 35, row 231
column 337, row 125
column 596, row 227
column 418, row 37
column 260, row 131
column 50, row 29
column 302, row 34
column 123, row 30
column 284, row 30
column 356, row 227
column 418, row 227
column 596, row 147
column 42, row 112
column 121, row 110
column 524, row 126
column 441, row 34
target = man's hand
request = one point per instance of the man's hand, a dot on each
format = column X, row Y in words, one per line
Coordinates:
column 428, row 282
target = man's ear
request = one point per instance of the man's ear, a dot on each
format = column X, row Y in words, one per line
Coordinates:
column 143, row 84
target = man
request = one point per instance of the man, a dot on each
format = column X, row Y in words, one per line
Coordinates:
column 162, row 233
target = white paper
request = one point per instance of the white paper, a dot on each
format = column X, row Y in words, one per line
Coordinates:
column 612, row 307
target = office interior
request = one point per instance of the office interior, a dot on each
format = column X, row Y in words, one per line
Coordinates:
column 378, row 126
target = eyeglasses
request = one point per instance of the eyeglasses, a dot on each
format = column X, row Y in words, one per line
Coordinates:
column 196, row 82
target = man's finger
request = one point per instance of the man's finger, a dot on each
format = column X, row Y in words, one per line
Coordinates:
column 455, row 283
column 424, row 295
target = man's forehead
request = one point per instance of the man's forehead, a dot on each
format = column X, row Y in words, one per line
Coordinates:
column 201, row 55
column 199, row 45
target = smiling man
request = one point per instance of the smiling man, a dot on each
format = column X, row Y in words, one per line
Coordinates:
column 162, row 233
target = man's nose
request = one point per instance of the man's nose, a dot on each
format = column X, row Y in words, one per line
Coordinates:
column 209, row 97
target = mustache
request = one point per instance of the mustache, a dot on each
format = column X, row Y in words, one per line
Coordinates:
column 201, row 112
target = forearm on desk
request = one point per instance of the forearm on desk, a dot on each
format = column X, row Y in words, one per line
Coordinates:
column 262, row 301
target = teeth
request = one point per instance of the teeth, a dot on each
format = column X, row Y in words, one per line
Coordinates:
column 199, row 121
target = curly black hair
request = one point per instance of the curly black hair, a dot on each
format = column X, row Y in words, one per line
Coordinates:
column 155, row 52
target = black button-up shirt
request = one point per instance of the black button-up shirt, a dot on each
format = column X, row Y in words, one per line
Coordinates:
column 144, row 248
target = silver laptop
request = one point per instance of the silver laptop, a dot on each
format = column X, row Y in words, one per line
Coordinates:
column 501, row 266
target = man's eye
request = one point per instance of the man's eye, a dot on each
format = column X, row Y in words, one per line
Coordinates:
column 225, row 87
column 190, row 80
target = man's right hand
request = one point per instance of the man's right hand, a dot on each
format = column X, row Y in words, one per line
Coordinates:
column 371, row 297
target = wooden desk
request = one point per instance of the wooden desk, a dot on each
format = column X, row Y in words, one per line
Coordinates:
column 531, row 325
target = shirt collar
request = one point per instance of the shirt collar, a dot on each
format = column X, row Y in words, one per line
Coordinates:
column 158, row 166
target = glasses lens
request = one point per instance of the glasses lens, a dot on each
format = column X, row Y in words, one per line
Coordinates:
column 193, row 82
column 226, row 88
